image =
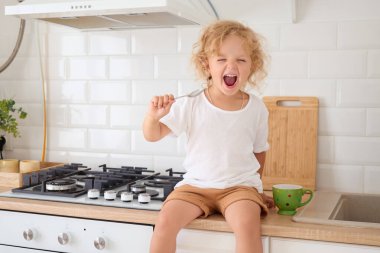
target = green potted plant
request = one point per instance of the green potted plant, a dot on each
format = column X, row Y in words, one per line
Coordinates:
column 8, row 120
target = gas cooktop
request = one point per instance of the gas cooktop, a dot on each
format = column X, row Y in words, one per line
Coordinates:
column 127, row 186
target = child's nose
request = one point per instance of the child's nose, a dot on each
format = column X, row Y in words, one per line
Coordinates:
column 231, row 65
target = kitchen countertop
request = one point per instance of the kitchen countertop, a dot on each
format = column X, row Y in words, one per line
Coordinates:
column 272, row 225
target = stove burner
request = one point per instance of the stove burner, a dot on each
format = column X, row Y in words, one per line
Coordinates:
column 61, row 185
column 161, row 180
column 138, row 188
column 80, row 179
column 157, row 182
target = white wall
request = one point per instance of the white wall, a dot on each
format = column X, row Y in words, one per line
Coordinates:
column 98, row 85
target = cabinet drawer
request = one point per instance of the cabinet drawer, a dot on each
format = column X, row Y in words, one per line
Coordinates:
column 200, row 241
column 283, row 245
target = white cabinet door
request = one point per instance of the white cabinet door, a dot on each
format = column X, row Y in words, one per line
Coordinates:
column 83, row 235
column 284, row 245
column 200, row 241
column 9, row 249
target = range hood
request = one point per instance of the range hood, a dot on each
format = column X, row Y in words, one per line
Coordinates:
column 114, row 14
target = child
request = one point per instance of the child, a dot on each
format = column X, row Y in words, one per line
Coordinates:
column 226, row 131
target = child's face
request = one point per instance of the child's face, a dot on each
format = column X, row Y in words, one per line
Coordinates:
column 231, row 67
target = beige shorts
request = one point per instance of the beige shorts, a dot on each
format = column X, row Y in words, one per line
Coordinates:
column 217, row 200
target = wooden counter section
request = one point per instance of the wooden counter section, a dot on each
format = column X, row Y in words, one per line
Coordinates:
column 273, row 225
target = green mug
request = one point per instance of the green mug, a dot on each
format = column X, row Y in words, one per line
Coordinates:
column 288, row 197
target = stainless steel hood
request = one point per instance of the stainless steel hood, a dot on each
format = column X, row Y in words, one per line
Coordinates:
column 114, row 14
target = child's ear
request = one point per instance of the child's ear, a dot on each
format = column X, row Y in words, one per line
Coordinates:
column 205, row 67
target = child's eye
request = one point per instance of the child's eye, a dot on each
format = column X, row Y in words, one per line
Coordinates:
column 221, row 59
column 241, row 60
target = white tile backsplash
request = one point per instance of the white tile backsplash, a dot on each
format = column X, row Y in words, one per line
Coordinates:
column 306, row 36
column 22, row 68
column 67, row 92
column 291, row 65
column 373, row 122
column 357, row 35
column 57, row 116
column 145, row 41
column 106, row 140
column 93, row 160
column 340, row 178
column 99, row 85
column 337, row 64
column 87, row 68
column 22, row 91
column 67, row 138
column 357, row 150
column 337, row 10
column 24, row 154
column 358, row 93
column 119, row 160
column 109, row 43
column 186, row 39
column 371, row 179
column 270, row 35
column 131, row 67
column 324, row 89
column 325, row 149
column 127, row 116
column 88, row 115
column 373, row 64
column 110, row 92
column 163, row 163
column 143, row 91
column 173, row 67
column 35, row 115
column 342, row 121
column 67, row 44
column 32, row 137
column 57, row 156
column 167, row 146
column 56, row 68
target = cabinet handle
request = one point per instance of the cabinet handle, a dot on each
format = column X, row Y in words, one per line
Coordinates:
column 28, row 234
column 63, row 238
column 100, row 243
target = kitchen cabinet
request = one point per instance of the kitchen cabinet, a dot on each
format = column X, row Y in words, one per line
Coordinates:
column 285, row 245
column 36, row 232
column 201, row 241
column 11, row 249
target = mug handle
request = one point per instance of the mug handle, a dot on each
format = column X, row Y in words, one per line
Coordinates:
column 310, row 197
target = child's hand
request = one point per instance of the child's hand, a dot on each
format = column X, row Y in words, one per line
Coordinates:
column 268, row 201
column 160, row 106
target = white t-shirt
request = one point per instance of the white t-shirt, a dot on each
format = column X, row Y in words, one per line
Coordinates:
column 220, row 144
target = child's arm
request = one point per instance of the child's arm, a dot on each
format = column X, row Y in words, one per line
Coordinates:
column 160, row 106
column 261, row 159
column 267, row 199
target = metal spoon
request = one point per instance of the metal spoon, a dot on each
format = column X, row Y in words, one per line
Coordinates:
column 191, row 94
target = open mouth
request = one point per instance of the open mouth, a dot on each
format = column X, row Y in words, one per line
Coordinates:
column 230, row 80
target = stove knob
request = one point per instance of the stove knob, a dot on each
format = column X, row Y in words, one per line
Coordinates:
column 100, row 243
column 63, row 238
column 110, row 195
column 29, row 234
column 126, row 196
column 144, row 198
column 93, row 194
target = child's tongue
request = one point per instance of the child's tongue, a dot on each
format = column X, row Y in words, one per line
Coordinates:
column 230, row 80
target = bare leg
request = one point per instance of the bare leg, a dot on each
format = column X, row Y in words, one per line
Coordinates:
column 243, row 216
column 174, row 215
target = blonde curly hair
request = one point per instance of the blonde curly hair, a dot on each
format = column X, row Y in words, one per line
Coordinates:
column 213, row 36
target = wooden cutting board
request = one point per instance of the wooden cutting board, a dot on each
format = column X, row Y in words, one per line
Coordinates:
column 293, row 132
